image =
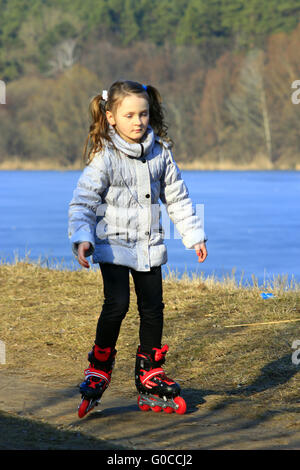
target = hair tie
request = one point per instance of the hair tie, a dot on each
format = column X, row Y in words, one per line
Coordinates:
column 145, row 87
column 104, row 95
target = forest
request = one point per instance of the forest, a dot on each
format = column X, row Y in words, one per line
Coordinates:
column 226, row 70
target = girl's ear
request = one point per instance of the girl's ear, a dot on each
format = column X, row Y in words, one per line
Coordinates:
column 110, row 118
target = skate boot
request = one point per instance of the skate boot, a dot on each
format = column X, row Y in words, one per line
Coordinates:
column 157, row 391
column 97, row 378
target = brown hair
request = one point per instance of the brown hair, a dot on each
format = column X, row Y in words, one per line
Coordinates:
column 99, row 128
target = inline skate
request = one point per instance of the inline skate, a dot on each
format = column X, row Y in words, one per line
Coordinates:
column 157, row 391
column 97, row 378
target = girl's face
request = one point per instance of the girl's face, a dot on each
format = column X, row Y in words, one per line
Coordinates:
column 131, row 118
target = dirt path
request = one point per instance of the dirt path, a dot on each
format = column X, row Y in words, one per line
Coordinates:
column 44, row 416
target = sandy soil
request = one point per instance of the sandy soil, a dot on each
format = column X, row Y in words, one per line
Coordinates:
column 43, row 415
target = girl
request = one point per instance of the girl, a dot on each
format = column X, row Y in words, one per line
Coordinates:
column 114, row 216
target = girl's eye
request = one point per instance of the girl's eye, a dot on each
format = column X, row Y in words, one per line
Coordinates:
column 143, row 114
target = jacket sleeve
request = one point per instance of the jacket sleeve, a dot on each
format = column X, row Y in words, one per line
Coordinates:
column 174, row 195
column 83, row 206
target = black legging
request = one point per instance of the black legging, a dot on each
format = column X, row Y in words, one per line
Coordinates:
column 148, row 288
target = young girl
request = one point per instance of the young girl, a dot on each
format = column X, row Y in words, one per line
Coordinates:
column 114, row 215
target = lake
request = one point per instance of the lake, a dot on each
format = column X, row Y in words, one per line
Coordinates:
column 251, row 219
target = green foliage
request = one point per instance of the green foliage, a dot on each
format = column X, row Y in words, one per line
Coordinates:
column 253, row 20
column 193, row 22
column 202, row 22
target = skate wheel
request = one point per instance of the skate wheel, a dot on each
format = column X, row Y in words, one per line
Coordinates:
column 143, row 406
column 181, row 405
column 156, row 408
column 82, row 409
column 168, row 409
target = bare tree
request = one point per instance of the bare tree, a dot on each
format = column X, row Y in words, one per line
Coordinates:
column 63, row 56
column 248, row 104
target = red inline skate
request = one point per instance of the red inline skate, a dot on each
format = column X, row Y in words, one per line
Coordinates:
column 97, row 378
column 157, row 391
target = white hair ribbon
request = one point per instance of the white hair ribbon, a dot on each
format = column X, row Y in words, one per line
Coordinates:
column 104, row 95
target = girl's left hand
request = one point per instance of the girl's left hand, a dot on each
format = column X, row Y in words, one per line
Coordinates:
column 201, row 251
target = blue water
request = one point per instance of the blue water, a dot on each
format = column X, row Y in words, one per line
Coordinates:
column 251, row 219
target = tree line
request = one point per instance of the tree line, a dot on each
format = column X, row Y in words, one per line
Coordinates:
column 225, row 78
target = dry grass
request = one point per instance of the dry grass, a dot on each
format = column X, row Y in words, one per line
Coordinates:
column 259, row 163
column 18, row 163
column 49, row 316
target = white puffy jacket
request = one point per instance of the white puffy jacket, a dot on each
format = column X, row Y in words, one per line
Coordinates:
column 115, row 205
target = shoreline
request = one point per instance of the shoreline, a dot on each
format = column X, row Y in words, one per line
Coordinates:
column 196, row 166
column 228, row 280
column 259, row 163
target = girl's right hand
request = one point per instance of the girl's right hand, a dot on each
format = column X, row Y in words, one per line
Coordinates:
column 82, row 248
column 201, row 251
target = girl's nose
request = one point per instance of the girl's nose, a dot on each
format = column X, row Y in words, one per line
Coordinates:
column 138, row 120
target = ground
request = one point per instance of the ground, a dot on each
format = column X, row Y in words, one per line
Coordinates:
column 41, row 415
column 231, row 351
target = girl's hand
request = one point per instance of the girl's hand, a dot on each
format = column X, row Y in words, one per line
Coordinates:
column 82, row 248
column 201, row 251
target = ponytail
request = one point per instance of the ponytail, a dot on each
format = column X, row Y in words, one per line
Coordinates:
column 156, row 110
column 98, row 128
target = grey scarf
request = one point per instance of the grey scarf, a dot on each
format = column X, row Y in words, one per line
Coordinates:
column 133, row 150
